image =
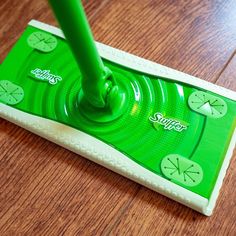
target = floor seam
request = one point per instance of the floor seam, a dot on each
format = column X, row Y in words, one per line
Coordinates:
column 225, row 66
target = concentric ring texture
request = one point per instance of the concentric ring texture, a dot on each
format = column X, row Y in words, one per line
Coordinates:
column 132, row 133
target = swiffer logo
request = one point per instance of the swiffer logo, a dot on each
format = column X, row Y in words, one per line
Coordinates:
column 45, row 75
column 168, row 122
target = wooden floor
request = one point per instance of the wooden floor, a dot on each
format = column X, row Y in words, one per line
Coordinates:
column 47, row 190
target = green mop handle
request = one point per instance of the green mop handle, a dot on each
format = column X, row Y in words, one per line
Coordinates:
column 96, row 78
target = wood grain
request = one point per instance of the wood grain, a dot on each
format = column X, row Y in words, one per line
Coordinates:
column 47, row 190
column 15, row 16
column 228, row 76
column 196, row 36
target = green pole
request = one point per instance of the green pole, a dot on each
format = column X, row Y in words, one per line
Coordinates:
column 97, row 79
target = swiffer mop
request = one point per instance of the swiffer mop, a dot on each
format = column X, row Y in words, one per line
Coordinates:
column 164, row 129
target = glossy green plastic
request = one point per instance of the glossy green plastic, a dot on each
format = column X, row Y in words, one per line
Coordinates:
column 41, row 41
column 207, row 104
column 10, row 93
column 204, row 141
column 99, row 89
column 181, row 170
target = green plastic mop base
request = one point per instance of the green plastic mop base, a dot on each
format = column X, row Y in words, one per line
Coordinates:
column 174, row 134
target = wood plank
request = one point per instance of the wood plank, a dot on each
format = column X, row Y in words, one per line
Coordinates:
column 48, row 190
column 15, row 16
column 227, row 78
column 153, row 214
column 196, row 37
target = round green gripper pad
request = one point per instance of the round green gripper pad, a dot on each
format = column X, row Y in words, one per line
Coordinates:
column 41, row 41
column 182, row 170
column 207, row 104
column 10, row 93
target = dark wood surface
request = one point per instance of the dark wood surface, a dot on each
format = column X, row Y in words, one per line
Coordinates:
column 47, row 190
